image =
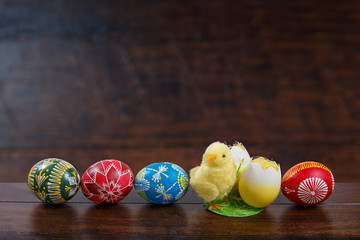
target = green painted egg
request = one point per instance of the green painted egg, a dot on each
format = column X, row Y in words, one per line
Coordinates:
column 53, row 181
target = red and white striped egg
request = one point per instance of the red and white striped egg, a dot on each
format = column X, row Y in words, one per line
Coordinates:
column 308, row 183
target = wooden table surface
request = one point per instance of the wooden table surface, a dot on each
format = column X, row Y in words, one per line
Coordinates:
column 23, row 216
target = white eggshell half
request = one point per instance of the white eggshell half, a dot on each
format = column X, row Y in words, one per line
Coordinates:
column 238, row 154
column 253, row 173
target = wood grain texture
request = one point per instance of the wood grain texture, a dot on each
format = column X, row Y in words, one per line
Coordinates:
column 149, row 81
column 23, row 216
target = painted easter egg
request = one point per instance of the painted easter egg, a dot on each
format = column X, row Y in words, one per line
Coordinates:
column 308, row 183
column 107, row 181
column 161, row 183
column 53, row 180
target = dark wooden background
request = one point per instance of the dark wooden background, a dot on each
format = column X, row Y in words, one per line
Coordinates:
column 149, row 81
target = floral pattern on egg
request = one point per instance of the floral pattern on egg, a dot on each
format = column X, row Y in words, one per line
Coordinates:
column 162, row 183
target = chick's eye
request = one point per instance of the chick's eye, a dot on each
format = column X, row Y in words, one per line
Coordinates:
column 223, row 155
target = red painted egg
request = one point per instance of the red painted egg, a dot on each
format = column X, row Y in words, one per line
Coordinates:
column 107, row 181
column 308, row 183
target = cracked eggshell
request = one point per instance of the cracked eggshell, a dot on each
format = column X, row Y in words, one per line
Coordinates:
column 240, row 154
column 259, row 187
column 308, row 183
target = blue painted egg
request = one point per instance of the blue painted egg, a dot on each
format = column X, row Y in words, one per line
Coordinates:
column 161, row 183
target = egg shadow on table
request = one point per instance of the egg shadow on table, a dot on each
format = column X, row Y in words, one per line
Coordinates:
column 171, row 218
column 268, row 225
column 111, row 221
column 205, row 222
column 312, row 220
column 54, row 221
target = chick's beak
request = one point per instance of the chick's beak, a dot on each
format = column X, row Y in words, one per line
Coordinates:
column 211, row 157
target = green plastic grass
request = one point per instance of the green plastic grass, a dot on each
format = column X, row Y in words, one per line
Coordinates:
column 236, row 208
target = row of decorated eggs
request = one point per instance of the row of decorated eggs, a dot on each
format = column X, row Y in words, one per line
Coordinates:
column 307, row 183
column 55, row 181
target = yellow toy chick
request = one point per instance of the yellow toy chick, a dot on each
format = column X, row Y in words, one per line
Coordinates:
column 216, row 175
